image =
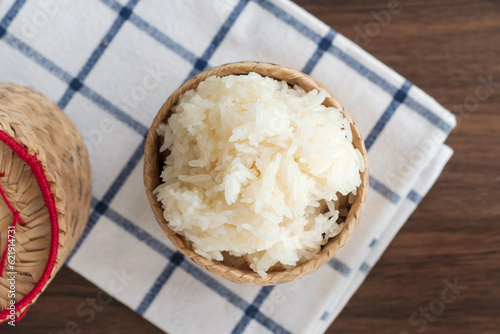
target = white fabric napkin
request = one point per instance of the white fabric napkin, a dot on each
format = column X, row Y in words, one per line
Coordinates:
column 111, row 64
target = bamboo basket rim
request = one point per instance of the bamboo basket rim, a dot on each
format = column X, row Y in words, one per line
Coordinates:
column 153, row 167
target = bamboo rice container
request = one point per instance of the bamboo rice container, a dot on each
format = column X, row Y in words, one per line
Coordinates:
column 45, row 183
column 350, row 209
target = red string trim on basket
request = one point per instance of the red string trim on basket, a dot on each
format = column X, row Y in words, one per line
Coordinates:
column 48, row 196
column 7, row 202
column 15, row 219
column 21, row 315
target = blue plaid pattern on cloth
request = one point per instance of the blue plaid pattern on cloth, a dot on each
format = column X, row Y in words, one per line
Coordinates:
column 110, row 65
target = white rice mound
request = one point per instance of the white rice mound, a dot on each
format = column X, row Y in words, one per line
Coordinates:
column 254, row 164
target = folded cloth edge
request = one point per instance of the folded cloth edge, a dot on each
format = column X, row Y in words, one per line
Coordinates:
column 425, row 181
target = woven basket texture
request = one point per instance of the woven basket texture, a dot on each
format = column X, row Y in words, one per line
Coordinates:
column 40, row 128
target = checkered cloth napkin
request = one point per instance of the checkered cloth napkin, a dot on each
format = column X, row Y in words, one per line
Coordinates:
column 111, row 64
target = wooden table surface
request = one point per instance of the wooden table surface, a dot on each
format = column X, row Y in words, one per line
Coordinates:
column 444, row 47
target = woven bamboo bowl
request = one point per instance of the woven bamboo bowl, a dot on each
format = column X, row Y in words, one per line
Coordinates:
column 154, row 161
column 45, row 183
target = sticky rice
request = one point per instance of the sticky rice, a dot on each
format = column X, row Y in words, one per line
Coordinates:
column 255, row 169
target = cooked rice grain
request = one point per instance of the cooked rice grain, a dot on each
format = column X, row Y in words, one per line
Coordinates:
column 254, row 169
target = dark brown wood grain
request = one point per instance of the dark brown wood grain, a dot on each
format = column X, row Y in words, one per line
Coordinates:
column 442, row 47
